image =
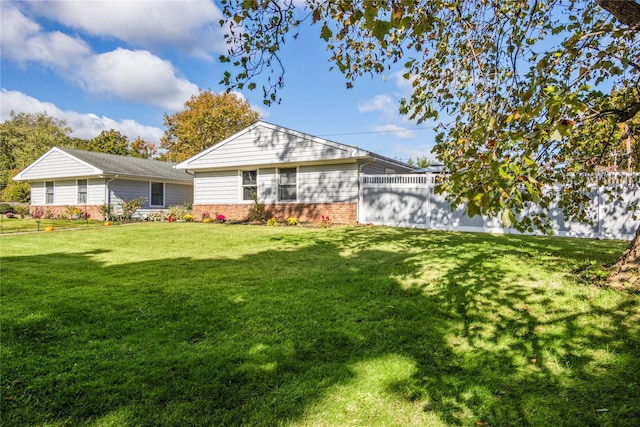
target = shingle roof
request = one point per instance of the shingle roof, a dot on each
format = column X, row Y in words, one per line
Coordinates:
column 113, row 164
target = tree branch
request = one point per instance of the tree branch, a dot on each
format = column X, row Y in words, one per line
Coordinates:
column 623, row 115
column 625, row 11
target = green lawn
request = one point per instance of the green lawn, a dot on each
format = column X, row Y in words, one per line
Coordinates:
column 28, row 225
column 206, row 324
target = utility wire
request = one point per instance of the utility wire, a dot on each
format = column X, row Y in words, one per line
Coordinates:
column 376, row 131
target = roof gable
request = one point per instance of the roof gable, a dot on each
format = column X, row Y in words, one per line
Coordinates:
column 70, row 163
column 56, row 163
column 264, row 143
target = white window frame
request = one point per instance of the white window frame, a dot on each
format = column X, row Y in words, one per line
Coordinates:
column 48, row 201
column 79, row 193
column 243, row 186
column 280, row 199
column 164, row 188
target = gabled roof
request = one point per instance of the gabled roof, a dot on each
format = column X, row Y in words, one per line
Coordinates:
column 266, row 143
column 88, row 163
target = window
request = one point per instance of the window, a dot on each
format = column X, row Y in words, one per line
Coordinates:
column 82, row 191
column 49, row 192
column 249, row 184
column 388, row 171
column 157, row 194
column 287, row 189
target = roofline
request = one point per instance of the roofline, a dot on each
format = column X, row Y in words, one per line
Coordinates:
column 356, row 152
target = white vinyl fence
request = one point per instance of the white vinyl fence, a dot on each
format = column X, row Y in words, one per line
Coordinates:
column 410, row 201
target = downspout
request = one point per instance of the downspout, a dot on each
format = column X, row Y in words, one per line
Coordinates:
column 107, row 194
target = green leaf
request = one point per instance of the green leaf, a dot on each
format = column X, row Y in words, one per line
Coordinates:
column 326, row 33
column 507, row 217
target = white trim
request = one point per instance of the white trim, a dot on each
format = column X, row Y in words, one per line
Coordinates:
column 278, row 185
column 241, row 198
column 86, row 193
column 53, row 193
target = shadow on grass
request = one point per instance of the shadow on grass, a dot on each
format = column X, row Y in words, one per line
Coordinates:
column 269, row 338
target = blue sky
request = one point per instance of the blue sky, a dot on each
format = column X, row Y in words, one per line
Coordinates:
column 124, row 64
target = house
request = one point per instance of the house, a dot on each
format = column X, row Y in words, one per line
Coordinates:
column 65, row 178
column 290, row 173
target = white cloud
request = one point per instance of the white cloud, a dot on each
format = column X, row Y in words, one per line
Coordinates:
column 389, row 116
column 85, row 125
column 189, row 26
column 135, row 76
column 23, row 40
column 381, row 103
column 398, row 131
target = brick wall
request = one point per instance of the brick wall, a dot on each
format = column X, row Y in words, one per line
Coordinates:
column 340, row 213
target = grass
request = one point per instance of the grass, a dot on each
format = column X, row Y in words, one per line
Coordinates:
column 27, row 225
column 209, row 324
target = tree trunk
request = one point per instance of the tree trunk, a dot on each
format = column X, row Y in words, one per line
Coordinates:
column 626, row 272
column 625, row 11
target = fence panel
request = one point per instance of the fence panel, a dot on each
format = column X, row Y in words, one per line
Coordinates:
column 410, row 201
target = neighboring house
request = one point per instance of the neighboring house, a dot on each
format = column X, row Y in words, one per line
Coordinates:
column 64, row 178
column 292, row 173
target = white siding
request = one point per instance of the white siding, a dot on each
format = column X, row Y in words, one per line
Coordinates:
column 95, row 192
column 176, row 194
column 328, row 183
column 263, row 145
column 267, row 185
column 64, row 193
column 57, row 165
column 37, row 193
column 216, row 187
column 316, row 184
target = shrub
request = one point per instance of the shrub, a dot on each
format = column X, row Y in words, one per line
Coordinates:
column 5, row 208
column 73, row 212
column 257, row 210
column 130, row 206
column 17, row 192
column 206, row 215
column 326, row 221
column 206, row 220
column 21, row 210
column 177, row 211
column 156, row 216
column 37, row 213
column 272, row 222
column 188, row 217
column 292, row 221
column 220, row 218
column 107, row 212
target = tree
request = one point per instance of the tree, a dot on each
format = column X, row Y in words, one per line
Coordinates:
column 25, row 137
column 142, row 149
column 605, row 129
column 113, row 142
column 419, row 162
column 207, row 119
column 108, row 141
column 519, row 78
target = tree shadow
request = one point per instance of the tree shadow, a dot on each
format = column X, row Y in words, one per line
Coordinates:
column 266, row 338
